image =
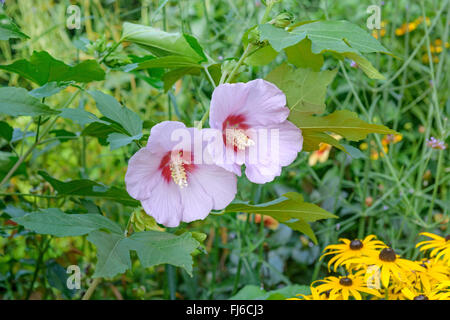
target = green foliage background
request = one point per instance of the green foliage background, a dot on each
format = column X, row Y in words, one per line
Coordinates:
column 395, row 197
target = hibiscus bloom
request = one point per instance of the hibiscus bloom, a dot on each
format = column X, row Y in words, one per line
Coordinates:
column 171, row 180
column 253, row 130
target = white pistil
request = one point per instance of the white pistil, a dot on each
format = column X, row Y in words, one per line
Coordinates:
column 238, row 138
column 178, row 172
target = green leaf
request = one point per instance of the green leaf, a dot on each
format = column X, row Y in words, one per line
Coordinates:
column 162, row 43
column 306, row 42
column 289, row 209
column 14, row 212
column 154, row 247
column 57, row 278
column 100, row 130
column 7, row 161
column 261, row 56
column 279, row 38
column 170, row 62
column 113, row 253
column 9, row 30
column 80, row 116
column 118, row 140
column 305, row 89
column 6, row 131
column 43, row 68
column 252, row 292
column 54, row 222
column 301, row 56
column 355, row 153
column 112, row 109
column 48, row 90
column 62, row 134
column 172, row 76
column 342, row 122
column 338, row 36
column 312, row 140
column 365, row 66
column 88, row 188
column 17, row 102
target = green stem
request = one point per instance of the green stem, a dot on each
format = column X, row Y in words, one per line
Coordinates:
column 436, row 186
column 42, row 249
column 209, row 76
column 239, row 63
column 111, row 50
column 239, row 267
column 91, row 289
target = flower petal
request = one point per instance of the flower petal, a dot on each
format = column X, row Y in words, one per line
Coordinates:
column 164, row 204
column 167, row 135
column 259, row 101
column 196, row 203
column 218, row 183
column 142, row 174
column 276, row 146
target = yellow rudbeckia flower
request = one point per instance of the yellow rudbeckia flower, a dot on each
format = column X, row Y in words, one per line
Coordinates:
column 435, row 272
column 414, row 294
column 390, row 265
column 440, row 246
column 345, row 286
column 352, row 249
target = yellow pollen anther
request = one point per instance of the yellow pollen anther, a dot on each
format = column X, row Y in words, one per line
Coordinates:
column 238, row 138
column 178, row 172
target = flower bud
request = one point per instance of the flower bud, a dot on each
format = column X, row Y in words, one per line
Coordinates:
column 283, row 20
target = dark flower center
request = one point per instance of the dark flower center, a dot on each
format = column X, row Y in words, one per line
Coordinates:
column 356, row 244
column 447, row 238
column 387, row 254
column 421, row 297
column 347, row 282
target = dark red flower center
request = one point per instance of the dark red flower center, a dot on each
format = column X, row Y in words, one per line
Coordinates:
column 176, row 165
column 356, row 244
column 388, row 255
column 234, row 132
column 346, row 282
column 447, row 238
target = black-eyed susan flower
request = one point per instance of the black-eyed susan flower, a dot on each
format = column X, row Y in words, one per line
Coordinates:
column 389, row 264
column 435, row 272
column 440, row 246
column 345, row 286
column 352, row 249
column 444, row 288
column 394, row 292
column 414, row 294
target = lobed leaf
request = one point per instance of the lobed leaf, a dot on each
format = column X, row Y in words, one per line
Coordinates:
column 289, row 209
column 89, row 188
column 17, row 102
column 43, row 68
column 54, row 222
column 305, row 89
column 342, row 122
column 9, row 30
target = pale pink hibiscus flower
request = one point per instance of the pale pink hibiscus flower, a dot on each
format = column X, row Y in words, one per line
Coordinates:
column 171, row 185
column 251, row 118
